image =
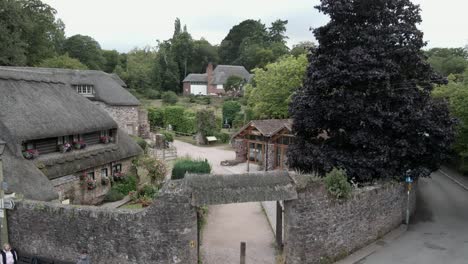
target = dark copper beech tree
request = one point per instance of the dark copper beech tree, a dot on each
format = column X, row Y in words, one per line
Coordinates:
column 366, row 103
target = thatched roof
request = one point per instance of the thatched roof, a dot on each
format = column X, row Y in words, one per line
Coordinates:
column 54, row 166
column 109, row 88
column 239, row 188
column 196, row 77
column 268, row 127
column 42, row 109
column 223, row 72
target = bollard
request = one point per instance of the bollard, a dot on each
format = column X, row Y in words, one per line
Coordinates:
column 242, row 253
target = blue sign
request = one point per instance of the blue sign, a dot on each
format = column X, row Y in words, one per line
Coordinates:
column 409, row 179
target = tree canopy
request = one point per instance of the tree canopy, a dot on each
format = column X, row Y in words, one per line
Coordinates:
column 86, row 49
column 366, row 104
column 271, row 90
column 63, row 62
column 448, row 61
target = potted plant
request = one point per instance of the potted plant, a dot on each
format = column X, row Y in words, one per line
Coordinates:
column 65, row 147
column 91, row 184
column 104, row 139
column 79, row 144
column 30, row 154
column 105, row 180
column 118, row 176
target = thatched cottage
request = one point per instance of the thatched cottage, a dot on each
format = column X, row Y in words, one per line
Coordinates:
column 59, row 143
column 103, row 89
column 264, row 142
column 212, row 82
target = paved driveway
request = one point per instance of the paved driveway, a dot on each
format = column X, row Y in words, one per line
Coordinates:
column 230, row 224
column 439, row 231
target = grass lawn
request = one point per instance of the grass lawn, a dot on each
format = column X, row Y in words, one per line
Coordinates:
column 131, row 206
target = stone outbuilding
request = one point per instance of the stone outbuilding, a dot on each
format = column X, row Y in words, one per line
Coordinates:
column 264, row 142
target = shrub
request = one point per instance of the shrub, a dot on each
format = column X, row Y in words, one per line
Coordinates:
column 152, row 94
column 156, row 117
column 141, row 142
column 156, row 168
column 230, row 110
column 222, row 137
column 169, row 97
column 337, row 184
column 183, row 166
column 113, row 195
column 127, row 185
column 206, row 123
column 168, row 136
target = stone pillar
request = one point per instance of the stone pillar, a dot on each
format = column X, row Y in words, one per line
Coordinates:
column 271, row 156
column 240, row 147
column 143, row 124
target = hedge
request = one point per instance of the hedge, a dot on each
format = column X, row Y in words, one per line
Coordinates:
column 183, row 166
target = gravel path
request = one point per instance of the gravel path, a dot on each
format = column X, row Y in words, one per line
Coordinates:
column 230, row 224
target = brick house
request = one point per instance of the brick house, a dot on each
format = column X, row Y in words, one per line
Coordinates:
column 60, row 145
column 264, row 142
column 105, row 90
column 212, row 82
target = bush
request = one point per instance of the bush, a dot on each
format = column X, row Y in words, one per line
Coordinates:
column 169, row 97
column 141, row 142
column 156, row 117
column 337, row 184
column 183, row 166
column 230, row 111
column 127, row 185
column 152, row 94
column 168, row 136
column 222, row 137
column 113, row 195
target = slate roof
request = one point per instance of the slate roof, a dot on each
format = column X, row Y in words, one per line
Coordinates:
column 109, row 88
column 268, row 127
column 34, row 105
column 220, row 74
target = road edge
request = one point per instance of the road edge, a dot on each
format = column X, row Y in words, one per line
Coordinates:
column 363, row 253
column 454, row 180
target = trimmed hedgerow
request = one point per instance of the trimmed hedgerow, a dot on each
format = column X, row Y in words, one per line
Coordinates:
column 186, row 165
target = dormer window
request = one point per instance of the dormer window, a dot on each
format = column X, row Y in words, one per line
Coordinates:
column 84, row 89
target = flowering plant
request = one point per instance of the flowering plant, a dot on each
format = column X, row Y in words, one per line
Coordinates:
column 65, row 147
column 79, row 144
column 118, row 176
column 31, row 154
column 105, row 180
column 104, row 139
column 91, row 184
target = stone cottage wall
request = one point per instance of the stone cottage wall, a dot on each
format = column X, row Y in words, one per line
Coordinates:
column 125, row 116
column 166, row 232
column 71, row 187
column 320, row 229
column 240, row 147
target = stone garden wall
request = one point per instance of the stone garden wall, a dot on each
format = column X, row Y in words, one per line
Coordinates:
column 166, row 232
column 320, row 229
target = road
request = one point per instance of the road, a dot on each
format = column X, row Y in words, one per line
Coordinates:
column 438, row 233
column 229, row 224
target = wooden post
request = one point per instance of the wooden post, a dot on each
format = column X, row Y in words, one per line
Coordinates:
column 279, row 225
column 242, row 253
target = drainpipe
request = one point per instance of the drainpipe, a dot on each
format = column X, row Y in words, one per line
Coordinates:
column 266, row 154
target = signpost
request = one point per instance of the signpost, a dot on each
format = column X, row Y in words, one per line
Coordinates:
column 409, row 181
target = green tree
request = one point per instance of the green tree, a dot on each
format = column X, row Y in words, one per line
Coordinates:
column 234, row 85
column 203, row 53
column 63, row 62
column 303, row 47
column 206, row 125
column 139, row 70
column 277, row 30
column 366, row 106
column 230, row 110
column 448, row 61
column 166, row 69
column 111, row 60
column 270, row 94
column 229, row 50
column 85, row 49
column 169, row 97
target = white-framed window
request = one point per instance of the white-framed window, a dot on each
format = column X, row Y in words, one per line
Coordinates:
column 104, row 172
column 84, row 89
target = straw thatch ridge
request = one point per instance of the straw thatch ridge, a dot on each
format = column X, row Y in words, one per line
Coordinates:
column 240, row 188
column 109, row 88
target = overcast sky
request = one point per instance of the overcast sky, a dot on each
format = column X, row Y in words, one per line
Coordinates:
column 126, row 24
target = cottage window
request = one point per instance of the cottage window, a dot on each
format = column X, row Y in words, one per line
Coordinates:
column 84, row 89
column 104, row 172
column 104, row 133
column 90, row 175
column 117, row 168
